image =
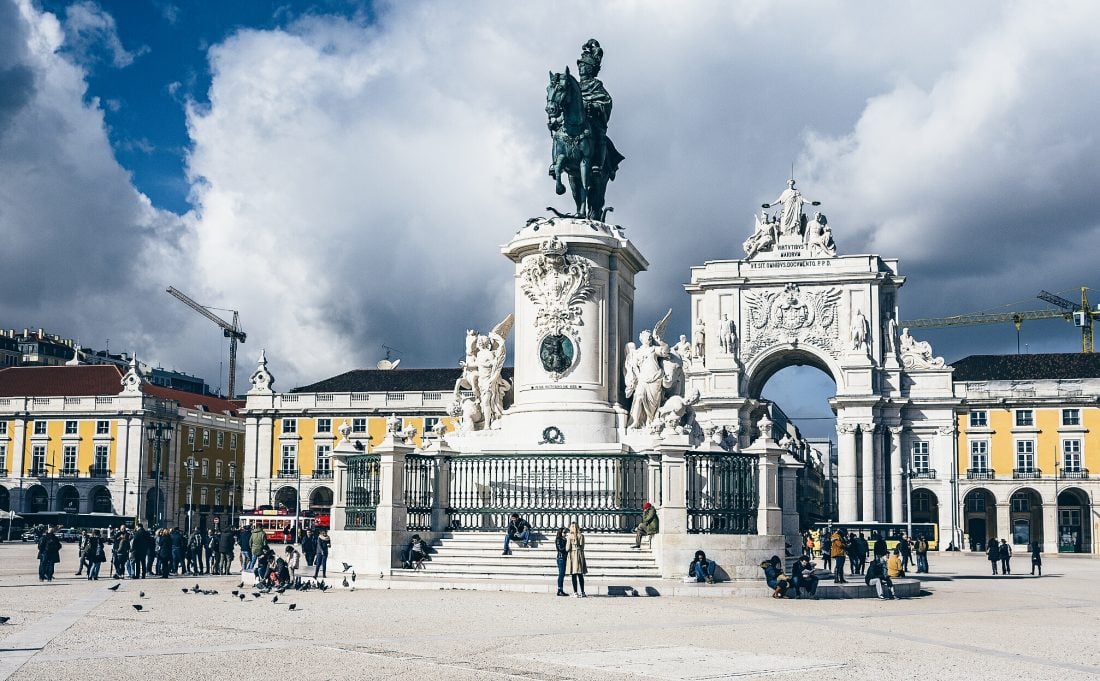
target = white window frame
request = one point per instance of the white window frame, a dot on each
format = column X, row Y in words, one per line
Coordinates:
column 39, row 427
column 72, row 427
column 191, row 435
column 220, row 439
column 233, row 441
column 1075, row 418
column 3, row 457
column 205, row 437
column 323, row 454
column 290, row 426
column 979, row 449
column 202, row 496
column 979, row 415
column 289, row 454
column 204, row 468
column 68, row 455
column 38, row 457
column 217, row 497
column 921, row 455
column 355, row 424
column 218, row 469
column 324, row 426
column 102, row 427
column 1072, row 448
column 1020, row 413
column 102, row 453
column 3, row 427
column 1025, row 452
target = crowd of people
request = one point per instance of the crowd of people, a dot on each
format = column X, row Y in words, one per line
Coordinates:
column 138, row 553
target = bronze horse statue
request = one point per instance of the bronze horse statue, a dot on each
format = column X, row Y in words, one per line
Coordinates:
column 589, row 159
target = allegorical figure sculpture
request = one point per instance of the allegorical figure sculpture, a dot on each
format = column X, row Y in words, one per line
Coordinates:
column 792, row 221
column 860, row 332
column 819, row 237
column 577, row 116
column 649, row 373
column 727, row 335
column 481, row 375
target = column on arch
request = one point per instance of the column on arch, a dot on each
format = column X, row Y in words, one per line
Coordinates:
column 867, row 430
column 847, row 495
column 897, row 489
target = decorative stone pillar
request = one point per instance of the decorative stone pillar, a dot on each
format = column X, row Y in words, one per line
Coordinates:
column 653, row 479
column 895, row 465
column 441, row 499
column 1004, row 521
column 672, row 541
column 867, row 456
column 1050, row 526
column 392, row 515
column 847, row 496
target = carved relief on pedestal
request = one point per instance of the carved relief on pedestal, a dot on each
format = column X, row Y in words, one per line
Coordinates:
column 792, row 316
column 557, row 283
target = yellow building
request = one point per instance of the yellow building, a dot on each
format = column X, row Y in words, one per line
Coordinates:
column 1027, row 427
column 290, row 436
column 88, row 446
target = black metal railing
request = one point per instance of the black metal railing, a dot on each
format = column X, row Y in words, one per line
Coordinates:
column 1074, row 473
column 980, row 473
column 325, row 474
column 363, row 492
column 287, row 473
column 1026, row 473
column 99, row 472
column 925, row 473
column 420, row 472
column 602, row 493
column 721, row 493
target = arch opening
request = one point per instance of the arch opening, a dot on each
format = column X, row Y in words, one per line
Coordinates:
column 37, row 500
column 100, row 500
column 286, row 498
column 67, row 500
column 1025, row 517
column 1074, row 529
column 979, row 518
column 5, row 499
column 320, row 499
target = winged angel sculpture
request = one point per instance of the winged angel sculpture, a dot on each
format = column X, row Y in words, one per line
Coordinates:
column 481, row 375
column 651, row 374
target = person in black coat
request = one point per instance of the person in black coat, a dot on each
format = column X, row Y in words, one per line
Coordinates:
column 879, row 549
column 49, row 555
column 1036, row 558
column 309, row 546
column 993, row 554
column 140, row 546
column 1004, row 551
column 226, row 540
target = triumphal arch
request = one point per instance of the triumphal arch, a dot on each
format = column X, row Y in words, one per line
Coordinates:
column 793, row 300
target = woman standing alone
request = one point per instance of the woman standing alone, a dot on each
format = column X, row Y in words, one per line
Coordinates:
column 563, row 552
column 575, row 564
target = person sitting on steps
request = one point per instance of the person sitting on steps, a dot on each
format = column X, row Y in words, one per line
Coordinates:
column 773, row 573
column 518, row 530
column 804, row 577
column 648, row 527
column 701, row 568
column 876, row 576
column 415, row 553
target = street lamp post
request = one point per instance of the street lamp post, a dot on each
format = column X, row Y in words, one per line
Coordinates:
column 232, row 493
column 159, row 432
column 191, row 466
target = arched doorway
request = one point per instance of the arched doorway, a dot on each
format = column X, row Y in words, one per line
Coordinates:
column 67, row 500
column 101, row 500
column 286, row 498
column 320, row 500
column 5, row 499
column 1074, row 513
column 799, row 389
column 926, row 506
column 979, row 518
column 37, row 500
column 1026, row 516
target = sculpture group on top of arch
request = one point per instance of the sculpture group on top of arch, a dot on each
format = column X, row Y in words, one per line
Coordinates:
column 789, row 229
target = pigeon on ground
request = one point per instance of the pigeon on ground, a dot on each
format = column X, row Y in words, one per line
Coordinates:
column 346, row 566
column 345, row 582
column 255, row 595
column 241, row 585
column 292, row 606
column 275, row 600
column 136, row 606
column 115, row 587
column 141, row 594
column 241, row 596
column 185, row 591
column 235, row 592
column 4, row 620
column 353, row 576
column 195, row 588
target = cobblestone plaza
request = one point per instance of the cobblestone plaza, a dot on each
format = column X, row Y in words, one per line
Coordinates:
column 968, row 625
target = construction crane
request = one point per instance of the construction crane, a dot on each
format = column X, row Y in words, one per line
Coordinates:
column 1082, row 314
column 1070, row 311
column 231, row 331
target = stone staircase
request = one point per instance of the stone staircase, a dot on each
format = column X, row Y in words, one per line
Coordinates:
column 477, row 555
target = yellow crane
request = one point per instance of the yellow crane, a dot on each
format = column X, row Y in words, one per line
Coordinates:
column 1082, row 316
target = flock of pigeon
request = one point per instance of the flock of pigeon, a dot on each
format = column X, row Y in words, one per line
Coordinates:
column 241, row 593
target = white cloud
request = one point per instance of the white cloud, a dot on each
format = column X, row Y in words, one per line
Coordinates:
column 89, row 29
column 353, row 181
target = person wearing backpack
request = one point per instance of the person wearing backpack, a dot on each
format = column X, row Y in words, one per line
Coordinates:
column 921, row 549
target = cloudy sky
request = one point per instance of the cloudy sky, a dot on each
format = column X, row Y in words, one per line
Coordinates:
column 343, row 173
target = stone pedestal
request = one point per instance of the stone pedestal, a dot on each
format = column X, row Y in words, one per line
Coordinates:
column 574, row 315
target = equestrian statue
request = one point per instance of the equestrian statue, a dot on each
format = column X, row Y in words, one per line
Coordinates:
column 577, row 115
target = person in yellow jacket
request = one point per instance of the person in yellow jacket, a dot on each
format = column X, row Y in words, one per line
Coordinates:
column 838, row 549
column 894, row 566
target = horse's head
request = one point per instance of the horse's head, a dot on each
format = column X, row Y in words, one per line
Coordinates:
column 562, row 94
